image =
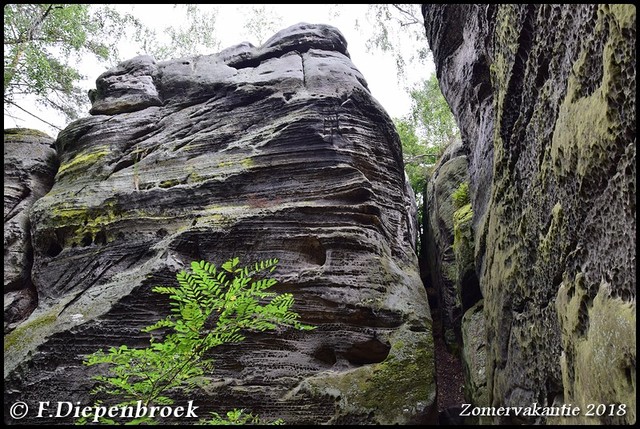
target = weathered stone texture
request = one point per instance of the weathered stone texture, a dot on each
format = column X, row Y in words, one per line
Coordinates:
column 545, row 99
column 277, row 151
column 30, row 164
column 474, row 357
column 448, row 272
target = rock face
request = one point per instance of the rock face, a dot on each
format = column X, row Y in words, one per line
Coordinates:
column 30, row 163
column 474, row 356
column 277, row 151
column 545, row 99
column 448, row 259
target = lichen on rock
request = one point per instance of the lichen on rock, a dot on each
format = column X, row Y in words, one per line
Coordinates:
column 544, row 96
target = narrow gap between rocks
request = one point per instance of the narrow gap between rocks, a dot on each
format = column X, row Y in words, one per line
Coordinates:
column 449, row 372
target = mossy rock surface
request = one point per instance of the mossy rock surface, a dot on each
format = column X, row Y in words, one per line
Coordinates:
column 544, row 96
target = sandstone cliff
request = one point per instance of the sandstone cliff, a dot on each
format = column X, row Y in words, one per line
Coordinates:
column 277, row 151
column 30, row 163
column 544, row 96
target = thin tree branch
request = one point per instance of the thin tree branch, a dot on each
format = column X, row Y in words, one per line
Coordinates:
column 413, row 18
column 38, row 23
column 29, row 113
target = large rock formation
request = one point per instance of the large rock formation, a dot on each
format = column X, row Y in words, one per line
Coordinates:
column 450, row 263
column 30, row 164
column 278, row 151
column 545, row 99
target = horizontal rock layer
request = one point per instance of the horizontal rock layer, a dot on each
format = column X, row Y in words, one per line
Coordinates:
column 545, row 99
column 278, row 151
column 30, row 163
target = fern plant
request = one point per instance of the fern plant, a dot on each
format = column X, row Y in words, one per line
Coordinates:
column 210, row 307
column 461, row 195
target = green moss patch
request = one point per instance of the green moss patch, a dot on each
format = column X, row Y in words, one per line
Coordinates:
column 82, row 161
column 15, row 133
column 392, row 391
column 599, row 342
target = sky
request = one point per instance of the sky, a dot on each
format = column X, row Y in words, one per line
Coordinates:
column 352, row 20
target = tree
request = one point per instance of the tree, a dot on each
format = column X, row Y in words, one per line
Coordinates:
column 40, row 42
column 44, row 44
column 432, row 115
column 396, row 26
column 261, row 23
column 425, row 133
column 196, row 36
column 212, row 306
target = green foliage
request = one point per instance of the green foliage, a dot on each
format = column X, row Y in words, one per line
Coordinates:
column 430, row 112
column 461, row 195
column 198, row 35
column 44, row 44
column 41, row 41
column 237, row 417
column 397, row 26
column 210, row 306
column 425, row 133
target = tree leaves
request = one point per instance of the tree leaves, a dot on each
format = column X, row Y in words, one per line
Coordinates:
column 208, row 309
column 44, row 45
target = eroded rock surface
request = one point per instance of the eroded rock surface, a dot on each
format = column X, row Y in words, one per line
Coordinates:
column 450, row 261
column 545, row 99
column 277, row 151
column 30, row 164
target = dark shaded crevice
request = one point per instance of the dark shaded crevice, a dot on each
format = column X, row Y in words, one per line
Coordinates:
column 304, row 74
column 326, row 355
column 367, row 352
column 254, row 62
column 122, row 165
column 470, row 291
column 512, row 104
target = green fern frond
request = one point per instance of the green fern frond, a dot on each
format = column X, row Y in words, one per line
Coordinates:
column 210, row 307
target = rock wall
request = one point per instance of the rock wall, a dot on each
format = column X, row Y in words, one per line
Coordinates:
column 449, row 259
column 30, row 163
column 545, row 99
column 277, row 151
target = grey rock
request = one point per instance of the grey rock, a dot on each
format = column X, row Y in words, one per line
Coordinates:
column 474, row 356
column 278, row 151
column 545, row 99
column 30, row 164
column 448, row 174
column 126, row 88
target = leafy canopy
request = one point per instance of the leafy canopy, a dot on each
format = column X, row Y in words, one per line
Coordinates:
column 44, row 45
column 40, row 43
column 425, row 133
column 211, row 306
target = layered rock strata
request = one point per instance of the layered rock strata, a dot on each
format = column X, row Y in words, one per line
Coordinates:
column 30, row 163
column 276, row 151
